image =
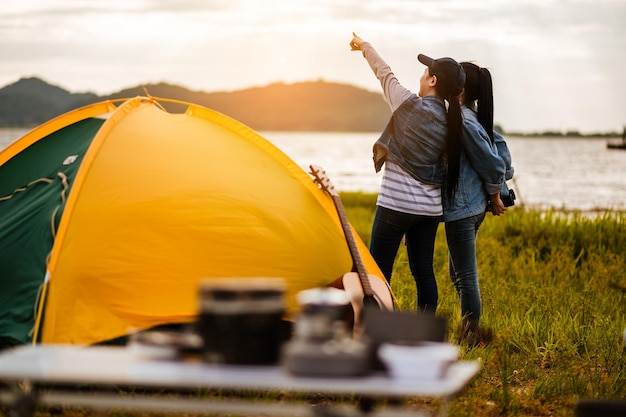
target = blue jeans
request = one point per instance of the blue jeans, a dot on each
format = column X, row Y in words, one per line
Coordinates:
column 388, row 229
column 461, row 236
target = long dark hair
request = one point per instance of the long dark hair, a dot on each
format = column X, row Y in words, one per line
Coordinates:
column 453, row 138
column 479, row 90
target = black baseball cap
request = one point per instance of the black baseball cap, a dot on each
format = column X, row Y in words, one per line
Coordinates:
column 450, row 72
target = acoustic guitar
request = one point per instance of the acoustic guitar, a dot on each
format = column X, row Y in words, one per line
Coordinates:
column 365, row 290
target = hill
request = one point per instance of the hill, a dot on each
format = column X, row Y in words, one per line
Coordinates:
column 309, row 106
column 31, row 101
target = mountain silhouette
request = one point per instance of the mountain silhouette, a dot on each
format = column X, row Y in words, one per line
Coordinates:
column 302, row 106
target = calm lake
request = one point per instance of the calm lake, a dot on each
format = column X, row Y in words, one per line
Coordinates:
column 562, row 173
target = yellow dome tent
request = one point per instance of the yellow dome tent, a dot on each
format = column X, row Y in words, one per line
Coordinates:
column 112, row 214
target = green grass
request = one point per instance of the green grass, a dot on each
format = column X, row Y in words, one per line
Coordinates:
column 554, row 293
column 553, row 288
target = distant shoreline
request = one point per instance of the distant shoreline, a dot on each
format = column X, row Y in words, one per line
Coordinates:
column 308, row 106
column 542, row 135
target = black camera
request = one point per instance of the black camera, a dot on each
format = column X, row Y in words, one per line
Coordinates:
column 508, row 198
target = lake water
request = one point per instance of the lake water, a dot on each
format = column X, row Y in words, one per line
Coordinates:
column 562, row 173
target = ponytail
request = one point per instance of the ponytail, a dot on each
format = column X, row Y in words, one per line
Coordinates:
column 453, row 145
column 485, row 101
column 450, row 84
column 479, row 90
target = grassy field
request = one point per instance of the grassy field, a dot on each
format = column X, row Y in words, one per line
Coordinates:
column 554, row 293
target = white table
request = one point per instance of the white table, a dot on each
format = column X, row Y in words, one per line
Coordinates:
column 51, row 365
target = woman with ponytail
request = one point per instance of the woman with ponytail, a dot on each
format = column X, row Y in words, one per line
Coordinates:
column 422, row 134
column 482, row 175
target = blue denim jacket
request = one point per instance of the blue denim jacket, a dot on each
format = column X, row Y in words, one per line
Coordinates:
column 505, row 154
column 482, row 171
column 415, row 139
column 503, row 151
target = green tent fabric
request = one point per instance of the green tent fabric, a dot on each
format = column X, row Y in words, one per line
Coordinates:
column 32, row 193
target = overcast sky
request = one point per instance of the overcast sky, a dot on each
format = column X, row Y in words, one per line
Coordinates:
column 556, row 64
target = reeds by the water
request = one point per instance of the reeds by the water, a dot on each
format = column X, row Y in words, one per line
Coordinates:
column 554, row 294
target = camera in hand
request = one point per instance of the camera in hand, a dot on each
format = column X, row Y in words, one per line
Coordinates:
column 508, row 197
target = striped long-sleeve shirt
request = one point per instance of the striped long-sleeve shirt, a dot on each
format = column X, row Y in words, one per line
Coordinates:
column 400, row 191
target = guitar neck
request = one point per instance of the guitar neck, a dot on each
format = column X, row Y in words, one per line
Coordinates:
column 354, row 250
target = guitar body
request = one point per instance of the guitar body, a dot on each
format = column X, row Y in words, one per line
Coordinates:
column 380, row 297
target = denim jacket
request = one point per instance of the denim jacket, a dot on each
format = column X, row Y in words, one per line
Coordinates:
column 415, row 139
column 482, row 171
column 505, row 154
column 503, row 151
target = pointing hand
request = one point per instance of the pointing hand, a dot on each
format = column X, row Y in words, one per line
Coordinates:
column 356, row 42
